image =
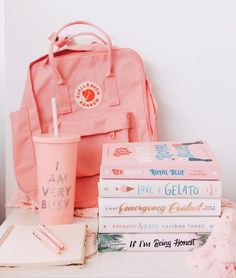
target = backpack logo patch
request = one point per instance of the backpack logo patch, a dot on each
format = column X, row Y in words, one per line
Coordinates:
column 88, row 95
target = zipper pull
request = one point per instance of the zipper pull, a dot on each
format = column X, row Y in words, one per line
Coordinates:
column 113, row 135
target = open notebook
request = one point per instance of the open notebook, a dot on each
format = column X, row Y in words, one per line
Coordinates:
column 21, row 248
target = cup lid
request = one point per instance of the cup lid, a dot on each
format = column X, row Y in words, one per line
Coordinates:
column 51, row 138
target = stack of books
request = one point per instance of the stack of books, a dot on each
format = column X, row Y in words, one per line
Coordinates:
column 157, row 196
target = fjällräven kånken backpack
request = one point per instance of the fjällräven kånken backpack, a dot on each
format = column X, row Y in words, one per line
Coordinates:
column 102, row 94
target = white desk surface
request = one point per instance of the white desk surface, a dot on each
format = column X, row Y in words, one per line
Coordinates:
column 146, row 264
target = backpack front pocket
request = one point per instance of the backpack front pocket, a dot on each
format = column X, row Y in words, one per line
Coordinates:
column 94, row 133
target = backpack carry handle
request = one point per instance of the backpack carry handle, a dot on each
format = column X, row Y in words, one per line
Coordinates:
column 66, row 40
column 53, row 42
column 89, row 34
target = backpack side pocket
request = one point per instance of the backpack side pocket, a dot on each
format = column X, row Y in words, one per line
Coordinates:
column 23, row 151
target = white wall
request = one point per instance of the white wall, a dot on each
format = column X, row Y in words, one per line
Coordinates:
column 2, row 115
column 189, row 50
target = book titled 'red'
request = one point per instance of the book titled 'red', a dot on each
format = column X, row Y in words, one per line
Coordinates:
column 159, row 160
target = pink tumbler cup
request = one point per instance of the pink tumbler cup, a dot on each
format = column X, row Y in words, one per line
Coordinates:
column 56, row 158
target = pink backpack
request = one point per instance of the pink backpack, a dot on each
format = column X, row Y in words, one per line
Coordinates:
column 102, row 94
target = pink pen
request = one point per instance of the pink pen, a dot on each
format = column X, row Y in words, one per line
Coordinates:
column 46, row 241
column 52, row 237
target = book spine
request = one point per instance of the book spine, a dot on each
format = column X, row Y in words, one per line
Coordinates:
column 158, row 207
column 150, row 242
column 160, row 188
column 155, row 173
column 157, row 224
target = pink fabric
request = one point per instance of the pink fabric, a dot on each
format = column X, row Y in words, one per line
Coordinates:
column 87, row 212
column 217, row 258
column 19, row 199
column 125, row 111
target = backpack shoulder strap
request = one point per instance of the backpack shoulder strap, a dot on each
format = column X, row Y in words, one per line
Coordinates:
column 152, row 111
column 29, row 102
